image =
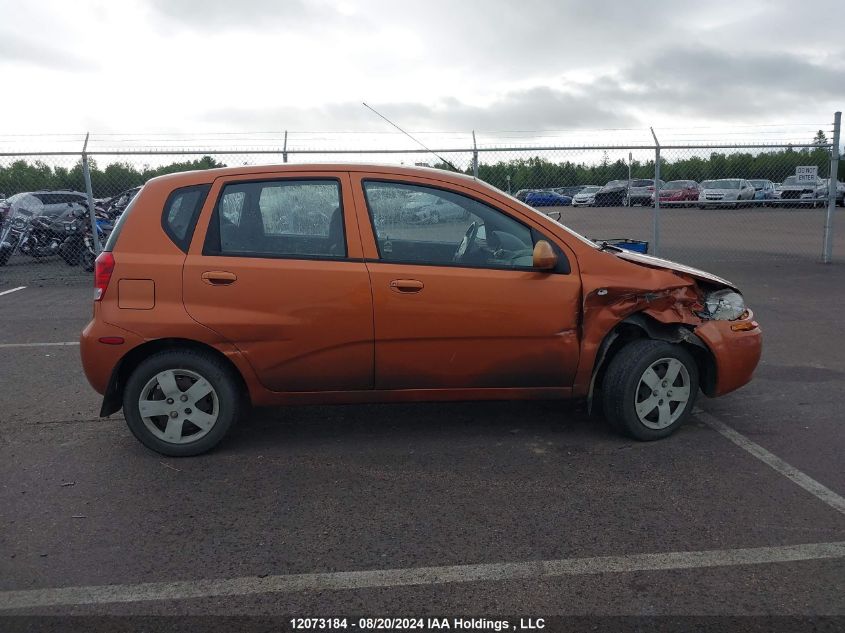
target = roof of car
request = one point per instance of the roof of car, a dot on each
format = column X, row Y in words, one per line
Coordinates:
column 427, row 172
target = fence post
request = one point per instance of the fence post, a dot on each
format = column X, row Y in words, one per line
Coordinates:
column 285, row 150
column 86, row 174
column 655, row 232
column 474, row 157
column 827, row 253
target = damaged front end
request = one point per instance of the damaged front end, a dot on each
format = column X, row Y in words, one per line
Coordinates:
column 666, row 301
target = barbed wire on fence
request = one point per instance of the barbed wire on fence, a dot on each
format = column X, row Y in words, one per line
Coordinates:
column 718, row 199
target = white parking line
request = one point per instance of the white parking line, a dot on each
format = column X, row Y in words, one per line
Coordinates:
column 65, row 344
column 7, row 292
column 249, row 585
column 790, row 472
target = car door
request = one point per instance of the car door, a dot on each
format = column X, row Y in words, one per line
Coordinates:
column 484, row 319
column 276, row 268
column 747, row 190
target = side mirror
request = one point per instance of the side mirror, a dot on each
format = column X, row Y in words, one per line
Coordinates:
column 544, row 256
column 554, row 214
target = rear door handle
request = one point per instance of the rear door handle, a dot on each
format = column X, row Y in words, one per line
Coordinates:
column 219, row 277
column 406, row 286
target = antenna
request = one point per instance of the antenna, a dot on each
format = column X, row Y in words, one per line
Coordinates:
column 418, row 142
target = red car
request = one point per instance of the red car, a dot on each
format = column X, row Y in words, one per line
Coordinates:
column 679, row 192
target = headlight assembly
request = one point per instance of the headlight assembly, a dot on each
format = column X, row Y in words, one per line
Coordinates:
column 724, row 305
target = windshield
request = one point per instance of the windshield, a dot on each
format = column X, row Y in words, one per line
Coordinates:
column 589, row 189
column 720, row 184
column 790, row 180
column 642, row 183
column 758, row 184
column 678, row 184
column 616, row 183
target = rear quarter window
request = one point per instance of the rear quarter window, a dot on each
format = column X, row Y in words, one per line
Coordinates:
column 180, row 213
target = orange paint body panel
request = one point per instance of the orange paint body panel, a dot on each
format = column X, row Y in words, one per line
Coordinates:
column 736, row 352
column 361, row 328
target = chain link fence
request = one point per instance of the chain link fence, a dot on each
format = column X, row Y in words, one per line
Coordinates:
column 698, row 204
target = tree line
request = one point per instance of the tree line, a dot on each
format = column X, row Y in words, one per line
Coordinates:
column 21, row 175
column 522, row 173
column 538, row 172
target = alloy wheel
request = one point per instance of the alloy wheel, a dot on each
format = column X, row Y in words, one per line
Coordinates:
column 662, row 393
column 178, row 406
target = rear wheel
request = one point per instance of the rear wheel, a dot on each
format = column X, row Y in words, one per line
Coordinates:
column 649, row 389
column 182, row 402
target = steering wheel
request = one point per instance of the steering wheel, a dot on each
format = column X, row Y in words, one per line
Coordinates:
column 469, row 238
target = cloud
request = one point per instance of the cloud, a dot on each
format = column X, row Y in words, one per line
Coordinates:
column 714, row 83
column 16, row 49
column 698, row 83
column 255, row 15
column 533, row 108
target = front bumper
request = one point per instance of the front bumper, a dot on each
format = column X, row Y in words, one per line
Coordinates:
column 736, row 347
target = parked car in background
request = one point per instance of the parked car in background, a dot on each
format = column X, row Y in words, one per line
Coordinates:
column 51, row 203
column 840, row 191
column 678, row 193
column 791, row 192
column 569, row 192
column 764, row 190
column 586, row 197
column 424, row 208
column 612, row 194
column 734, row 192
column 547, row 199
column 188, row 329
column 520, row 195
column 640, row 191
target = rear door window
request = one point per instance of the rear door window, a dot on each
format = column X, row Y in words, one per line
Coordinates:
column 289, row 218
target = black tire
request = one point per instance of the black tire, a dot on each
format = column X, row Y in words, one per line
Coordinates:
column 69, row 254
column 86, row 260
column 622, row 380
column 232, row 400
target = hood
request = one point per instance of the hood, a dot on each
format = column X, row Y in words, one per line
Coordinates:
column 720, row 191
column 656, row 262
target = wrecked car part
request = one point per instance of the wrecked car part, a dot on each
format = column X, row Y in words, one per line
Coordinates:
column 724, row 305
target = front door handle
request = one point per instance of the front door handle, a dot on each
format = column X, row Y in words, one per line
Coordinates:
column 219, row 277
column 406, row 286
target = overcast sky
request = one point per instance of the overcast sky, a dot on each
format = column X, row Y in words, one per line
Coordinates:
column 257, row 65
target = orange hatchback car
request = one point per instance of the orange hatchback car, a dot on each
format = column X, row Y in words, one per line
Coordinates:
column 292, row 284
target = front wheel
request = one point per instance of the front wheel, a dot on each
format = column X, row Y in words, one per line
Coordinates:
column 649, row 389
column 182, row 402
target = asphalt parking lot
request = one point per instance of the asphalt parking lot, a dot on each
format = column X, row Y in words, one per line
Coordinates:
column 526, row 508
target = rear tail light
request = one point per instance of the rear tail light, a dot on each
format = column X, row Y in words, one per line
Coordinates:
column 103, row 269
